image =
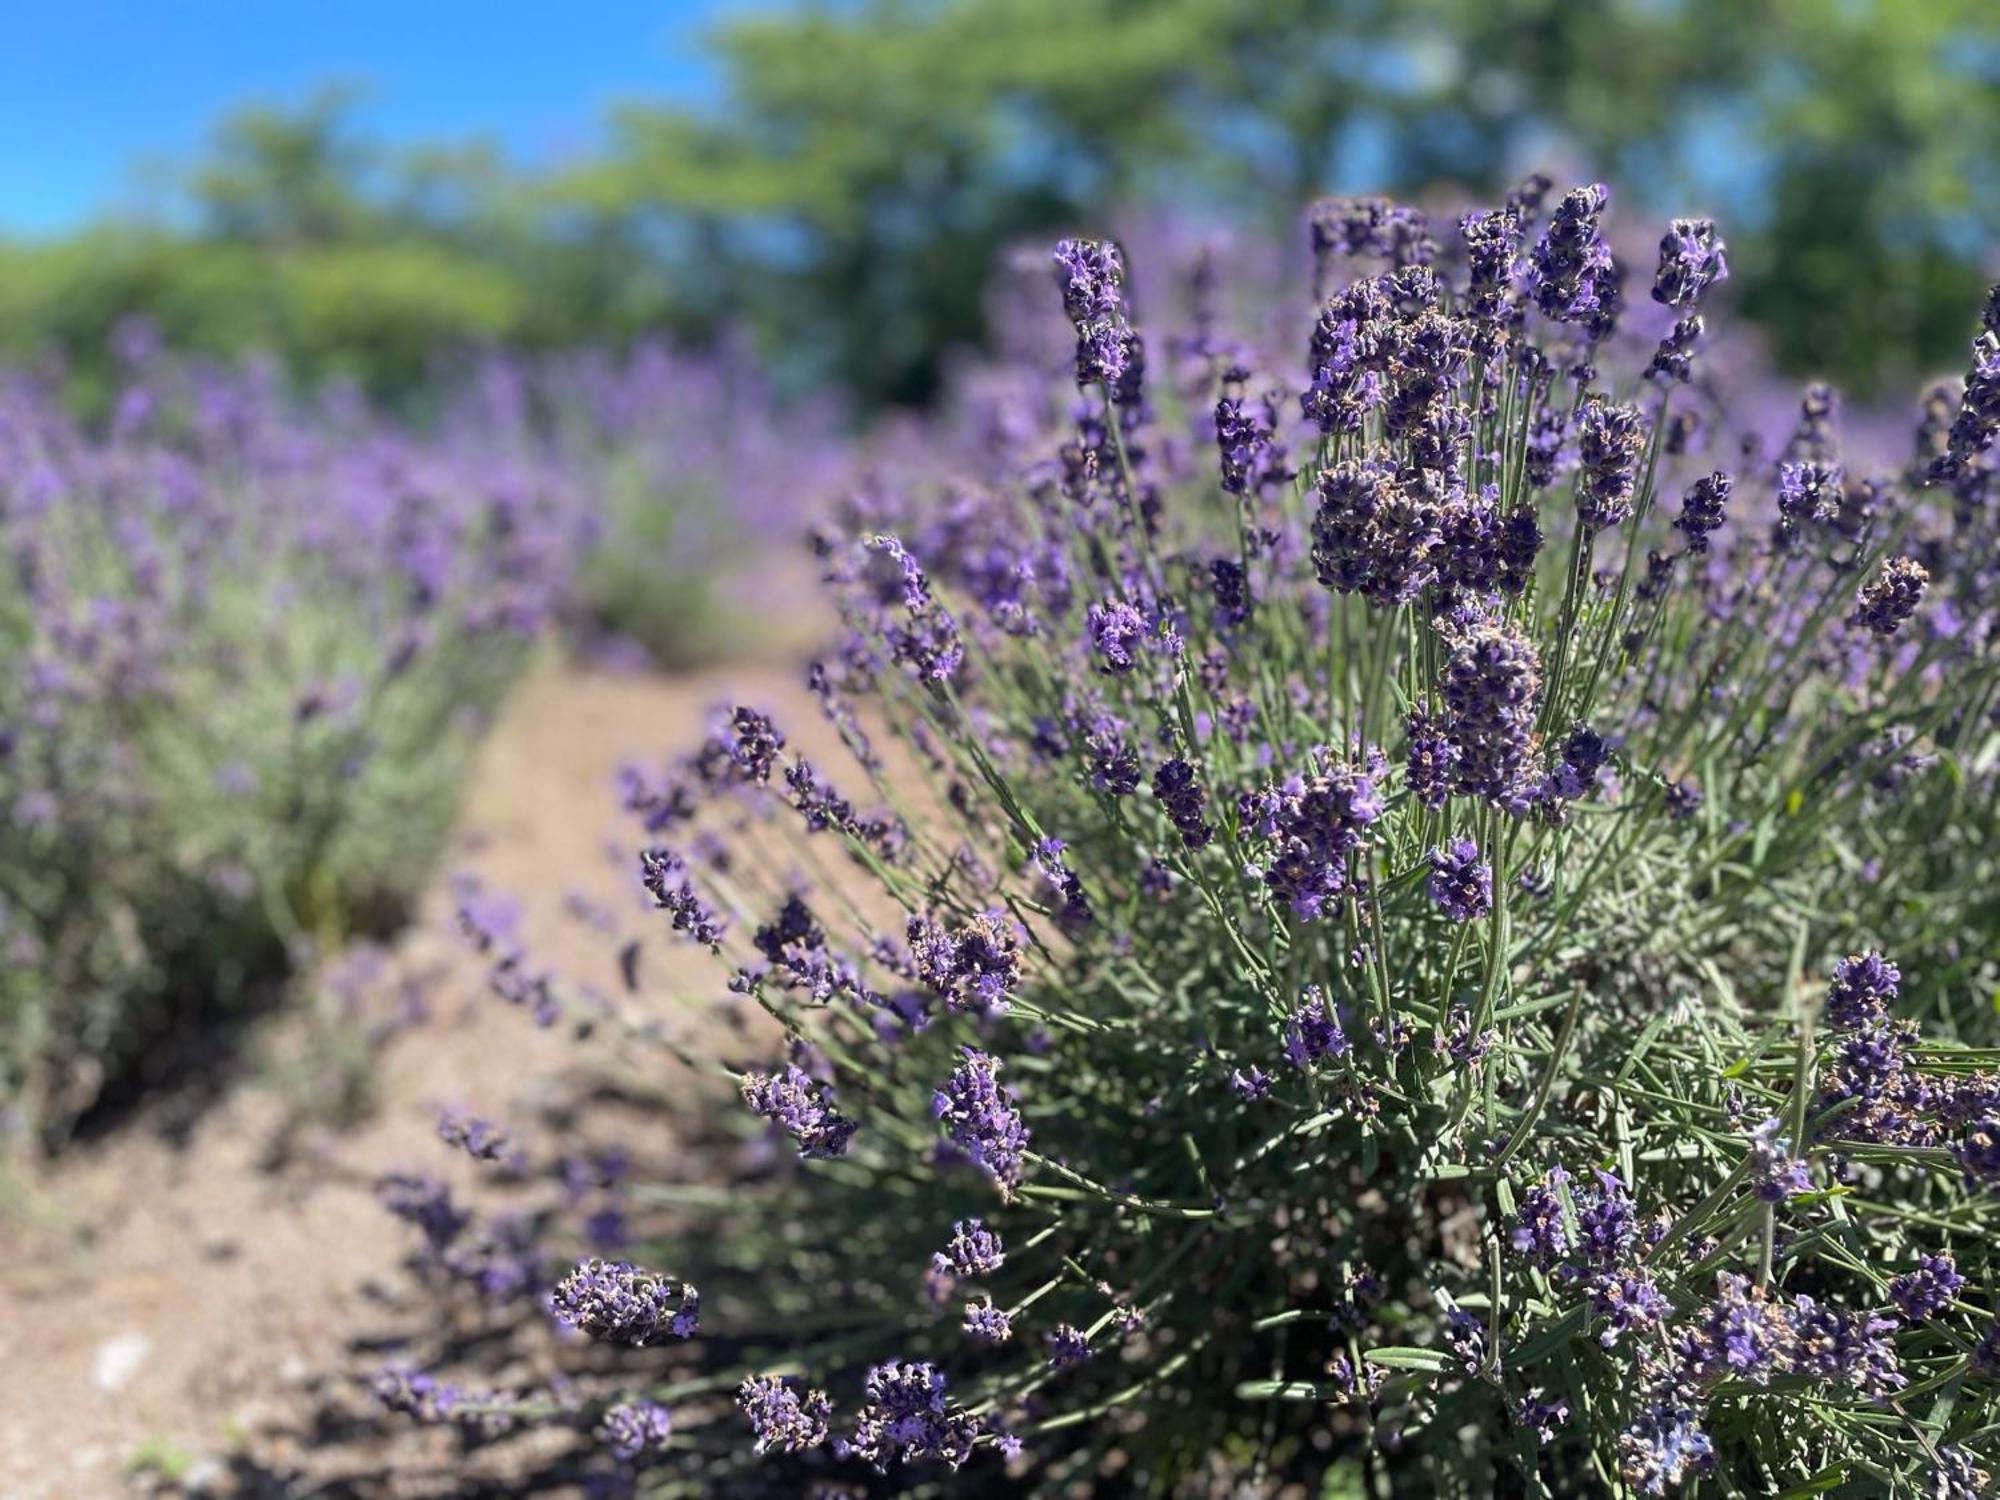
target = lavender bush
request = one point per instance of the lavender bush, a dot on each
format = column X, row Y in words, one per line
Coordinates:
column 1423, row 929
column 247, row 650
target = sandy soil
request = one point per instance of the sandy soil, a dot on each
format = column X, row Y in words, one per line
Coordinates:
column 184, row 1296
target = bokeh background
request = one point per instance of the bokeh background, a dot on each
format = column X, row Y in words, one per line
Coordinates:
column 364, row 188
column 408, row 412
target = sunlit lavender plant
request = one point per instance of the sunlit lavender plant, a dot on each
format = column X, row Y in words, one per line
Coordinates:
column 1354, row 909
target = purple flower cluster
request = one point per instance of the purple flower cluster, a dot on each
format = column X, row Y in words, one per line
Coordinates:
column 431, row 1401
column 1313, row 1031
column 987, row 1323
column 1460, row 882
column 907, row 1416
column 1573, row 275
column 1091, row 274
column 658, row 869
column 973, row 966
column 802, row 1107
column 482, row 1140
column 1611, row 439
column 974, row 1250
column 782, row 1419
column 1067, row 1346
column 1491, row 689
column 1929, row 1289
column 617, row 1303
column 1886, row 603
column 631, row 1430
column 1315, row 825
column 980, row 1116
column 1703, row 510
column 1864, row 987
column 1181, row 795
column 1775, row 1174
column 1691, row 261
column 1376, row 227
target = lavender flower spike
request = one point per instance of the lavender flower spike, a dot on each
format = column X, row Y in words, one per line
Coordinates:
column 978, row 1112
column 617, row 1303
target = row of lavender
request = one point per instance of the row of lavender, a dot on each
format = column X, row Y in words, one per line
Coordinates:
column 247, row 644
column 1343, row 952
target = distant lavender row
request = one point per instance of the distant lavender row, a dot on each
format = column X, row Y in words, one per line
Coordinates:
column 248, row 642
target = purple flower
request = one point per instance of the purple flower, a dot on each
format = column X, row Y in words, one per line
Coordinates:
column 1542, row 1418
column 783, row 1420
column 1884, row 605
column 1375, row 531
column 1114, row 763
column 1691, row 261
column 1611, row 439
column 617, row 1303
column 424, row 1202
column 1246, row 435
column 1232, row 594
column 1673, row 360
column 1845, row 1349
column 755, row 744
column 1702, row 509
column 632, row 1429
column 1775, row 1173
column 817, row 802
column 1370, row 226
column 1606, row 1220
column 1538, row 1231
column 1978, row 418
column 979, row 1115
column 1067, row 1346
column 657, row 871
column 1627, row 1301
column 1863, row 989
column 1117, row 632
column 1808, row 491
column 974, row 966
column 1491, row 685
column 987, row 1323
column 1683, row 799
column 802, row 1107
column 974, row 1250
column 1091, row 274
column 1465, row 1335
column 1664, row 1447
column 1075, row 911
column 1929, row 1289
column 1986, row 1353
column 906, row 1415
column 1313, row 1032
column 1250, row 1083
column 1175, row 785
column 1460, row 882
column 927, row 640
column 1741, row 1333
column 1957, row 1475
column 482, row 1140
column 432, row 1401
column 1573, row 276
column 1492, row 239
column 1315, row 824
column 1431, row 760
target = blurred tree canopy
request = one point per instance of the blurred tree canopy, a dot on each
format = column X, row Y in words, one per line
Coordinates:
column 847, row 191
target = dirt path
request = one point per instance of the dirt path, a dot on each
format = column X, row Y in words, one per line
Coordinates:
column 165, row 1300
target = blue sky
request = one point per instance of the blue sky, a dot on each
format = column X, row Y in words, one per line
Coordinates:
column 90, row 90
